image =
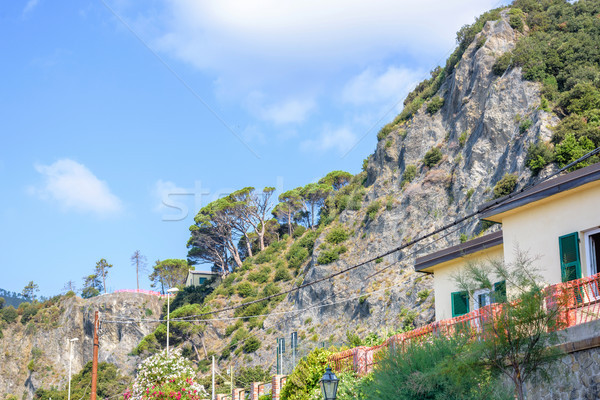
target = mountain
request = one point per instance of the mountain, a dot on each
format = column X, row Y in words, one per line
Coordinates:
column 518, row 98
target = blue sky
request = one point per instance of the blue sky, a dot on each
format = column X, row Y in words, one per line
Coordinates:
column 110, row 108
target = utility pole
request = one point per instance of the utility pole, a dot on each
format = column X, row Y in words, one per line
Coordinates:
column 231, row 377
column 213, row 379
column 95, row 358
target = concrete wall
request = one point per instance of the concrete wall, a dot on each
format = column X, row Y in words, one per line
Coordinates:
column 443, row 282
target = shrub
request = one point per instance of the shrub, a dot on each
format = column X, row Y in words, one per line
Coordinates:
column 258, row 276
column 282, row 274
column 409, row 174
column 160, row 374
column 435, row 104
column 432, row 157
column 29, row 312
column 470, row 193
column 298, row 231
column 539, row 155
column 270, row 290
column 502, row 63
column 570, row 149
column 385, row 131
column 327, row 257
column 296, row 255
column 251, row 345
column 423, row 294
column 429, row 370
column 505, row 186
column 9, row 314
column 245, row 289
column 525, row 124
column 373, row 209
column 336, row 235
column 516, row 19
column 462, row 139
column 303, row 382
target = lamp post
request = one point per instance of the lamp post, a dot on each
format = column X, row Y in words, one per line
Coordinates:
column 70, row 359
column 172, row 290
column 329, row 384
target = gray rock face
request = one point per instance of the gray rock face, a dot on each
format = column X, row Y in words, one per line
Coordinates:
column 478, row 131
column 44, row 345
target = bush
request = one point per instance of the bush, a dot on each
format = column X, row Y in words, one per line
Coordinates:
column 516, row 19
column 245, row 289
column 373, row 209
column 303, row 382
column 251, row 345
column 385, row 131
column 435, row 104
column 505, row 186
column 296, row 255
column 298, row 231
column 327, row 257
column 434, row 369
column 525, row 124
column 336, row 235
column 432, row 157
column 258, row 276
column 539, row 155
column 570, row 149
column 502, row 63
column 409, row 174
column 29, row 312
column 282, row 274
column 270, row 290
column 9, row 314
column 462, row 139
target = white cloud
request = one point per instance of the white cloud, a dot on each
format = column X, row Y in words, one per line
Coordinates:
column 165, row 191
column 75, row 187
column 340, row 139
column 370, row 87
column 288, row 111
column 229, row 34
column 31, row 4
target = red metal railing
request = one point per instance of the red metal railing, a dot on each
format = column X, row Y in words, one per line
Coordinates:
column 151, row 292
column 576, row 302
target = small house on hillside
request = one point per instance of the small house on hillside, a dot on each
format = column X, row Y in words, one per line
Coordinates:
column 557, row 221
column 197, row 278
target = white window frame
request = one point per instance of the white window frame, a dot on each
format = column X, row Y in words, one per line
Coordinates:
column 479, row 292
column 588, row 251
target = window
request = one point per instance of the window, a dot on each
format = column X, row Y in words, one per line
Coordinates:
column 592, row 244
column 570, row 264
column 460, row 303
column 202, row 280
column 482, row 298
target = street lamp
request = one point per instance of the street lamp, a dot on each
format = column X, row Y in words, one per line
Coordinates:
column 329, row 383
column 70, row 359
column 172, row 290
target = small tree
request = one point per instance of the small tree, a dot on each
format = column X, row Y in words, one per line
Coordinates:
column 102, row 268
column 169, row 273
column 520, row 340
column 30, row 290
column 139, row 262
column 91, row 286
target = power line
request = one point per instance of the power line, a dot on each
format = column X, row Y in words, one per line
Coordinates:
column 453, row 224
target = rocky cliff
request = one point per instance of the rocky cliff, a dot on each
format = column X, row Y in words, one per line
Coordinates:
column 36, row 354
column 480, row 132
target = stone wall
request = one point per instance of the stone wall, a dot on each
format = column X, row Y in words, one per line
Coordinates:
column 578, row 376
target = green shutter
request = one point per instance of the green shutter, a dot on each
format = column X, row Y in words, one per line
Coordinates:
column 460, row 303
column 570, row 264
column 499, row 292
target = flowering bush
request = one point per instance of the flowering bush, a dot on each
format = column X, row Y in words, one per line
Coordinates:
column 162, row 377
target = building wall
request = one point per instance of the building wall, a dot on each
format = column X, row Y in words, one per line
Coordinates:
column 535, row 228
column 443, row 282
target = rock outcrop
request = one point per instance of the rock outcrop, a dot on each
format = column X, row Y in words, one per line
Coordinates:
column 36, row 354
